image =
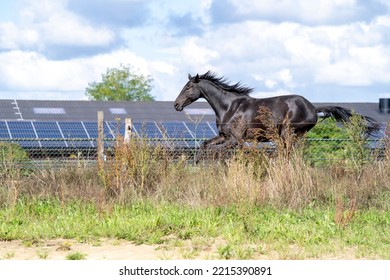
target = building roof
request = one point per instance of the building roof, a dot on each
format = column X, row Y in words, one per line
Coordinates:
column 53, row 110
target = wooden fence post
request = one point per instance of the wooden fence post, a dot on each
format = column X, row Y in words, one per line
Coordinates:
column 100, row 142
column 128, row 130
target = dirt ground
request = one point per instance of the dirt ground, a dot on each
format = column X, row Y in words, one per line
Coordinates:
column 59, row 249
column 112, row 249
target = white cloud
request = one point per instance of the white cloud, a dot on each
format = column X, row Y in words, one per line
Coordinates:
column 279, row 79
column 24, row 72
column 272, row 93
column 304, row 11
column 285, row 77
column 29, row 70
column 66, row 29
column 270, row 83
column 8, row 35
column 13, row 37
column 362, row 66
column 164, row 67
column 196, row 55
column 46, row 23
column 293, row 46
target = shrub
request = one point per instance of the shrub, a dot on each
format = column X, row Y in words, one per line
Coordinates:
column 13, row 159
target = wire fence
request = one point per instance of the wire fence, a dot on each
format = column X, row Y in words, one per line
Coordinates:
column 62, row 152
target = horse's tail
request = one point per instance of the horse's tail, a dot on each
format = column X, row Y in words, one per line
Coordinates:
column 341, row 114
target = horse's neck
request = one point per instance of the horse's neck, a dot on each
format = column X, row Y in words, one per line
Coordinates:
column 218, row 99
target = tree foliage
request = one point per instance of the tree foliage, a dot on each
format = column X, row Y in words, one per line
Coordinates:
column 121, row 84
column 335, row 142
column 13, row 160
column 327, row 129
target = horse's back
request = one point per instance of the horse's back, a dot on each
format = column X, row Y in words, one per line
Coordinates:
column 291, row 98
column 295, row 108
column 285, row 103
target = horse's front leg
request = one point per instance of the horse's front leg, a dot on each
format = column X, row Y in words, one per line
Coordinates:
column 226, row 147
column 223, row 149
column 208, row 144
column 213, row 141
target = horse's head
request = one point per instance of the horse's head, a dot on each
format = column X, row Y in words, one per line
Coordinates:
column 189, row 93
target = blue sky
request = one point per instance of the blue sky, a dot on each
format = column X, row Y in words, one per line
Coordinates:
column 326, row 50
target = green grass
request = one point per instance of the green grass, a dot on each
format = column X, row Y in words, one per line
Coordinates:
column 246, row 231
column 76, row 256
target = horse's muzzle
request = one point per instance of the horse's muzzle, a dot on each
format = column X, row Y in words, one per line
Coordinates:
column 178, row 107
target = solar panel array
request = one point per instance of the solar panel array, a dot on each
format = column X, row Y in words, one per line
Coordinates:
column 83, row 134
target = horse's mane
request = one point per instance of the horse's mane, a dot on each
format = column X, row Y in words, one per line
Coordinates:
column 225, row 84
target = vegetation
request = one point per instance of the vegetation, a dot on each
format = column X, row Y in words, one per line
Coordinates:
column 327, row 129
column 11, row 153
column 330, row 143
column 13, row 160
column 75, row 256
column 253, row 205
column 121, row 84
column 237, row 231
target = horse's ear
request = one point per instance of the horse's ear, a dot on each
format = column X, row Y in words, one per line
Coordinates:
column 196, row 80
column 189, row 77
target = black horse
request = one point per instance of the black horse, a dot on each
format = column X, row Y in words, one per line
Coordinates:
column 239, row 116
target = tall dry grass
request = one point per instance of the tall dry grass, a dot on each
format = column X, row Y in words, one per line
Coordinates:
column 137, row 170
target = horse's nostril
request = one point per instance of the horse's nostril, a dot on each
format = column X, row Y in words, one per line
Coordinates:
column 177, row 106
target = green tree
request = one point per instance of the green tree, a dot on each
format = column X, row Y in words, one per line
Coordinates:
column 121, row 84
column 327, row 129
column 330, row 142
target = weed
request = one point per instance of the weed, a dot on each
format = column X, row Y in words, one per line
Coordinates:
column 31, row 242
column 43, row 254
column 76, row 256
column 225, row 252
column 344, row 217
column 8, row 255
column 245, row 253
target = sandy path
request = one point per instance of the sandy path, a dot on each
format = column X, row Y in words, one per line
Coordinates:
column 104, row 249
column 112, row 249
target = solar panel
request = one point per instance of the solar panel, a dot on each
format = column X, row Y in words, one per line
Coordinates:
column 4, row 130
column 377, row 137
column 213, row 126
column 117, row 127
column 178, row 131
column 148, row 130
column 201, row 130
column 23, row 129
column 75, row 130
column 49, row 130
column 187, row 135
column 92, row 129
